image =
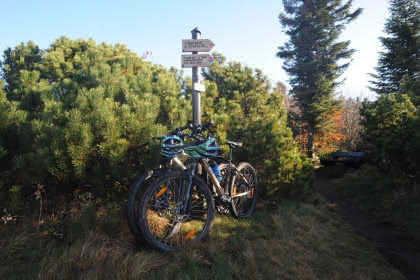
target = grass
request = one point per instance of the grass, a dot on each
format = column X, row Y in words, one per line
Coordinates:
column 290, row 240
column 376, row 194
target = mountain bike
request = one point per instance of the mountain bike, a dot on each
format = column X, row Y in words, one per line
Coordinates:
column 166, row 165
column 178, row 207
column 169, row 163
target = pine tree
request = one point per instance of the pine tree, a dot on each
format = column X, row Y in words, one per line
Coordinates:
column 11, row 121
column 245, row 108
column 313, row 55
column 391, row 134
column 245, row 86
column 24, row 57
column 401, row 56
column 83, row 113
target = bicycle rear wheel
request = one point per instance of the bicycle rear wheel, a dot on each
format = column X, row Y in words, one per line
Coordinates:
column 243, row 191
column 133, row 205
column 164, row 223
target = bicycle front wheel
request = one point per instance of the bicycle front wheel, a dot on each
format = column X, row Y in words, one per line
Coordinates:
column 171, row 214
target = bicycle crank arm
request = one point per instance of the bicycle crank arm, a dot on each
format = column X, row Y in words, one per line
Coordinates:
column 240, row 194
column 175, row 230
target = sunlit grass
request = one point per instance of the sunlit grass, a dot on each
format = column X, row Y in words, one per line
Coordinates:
column 291, row 241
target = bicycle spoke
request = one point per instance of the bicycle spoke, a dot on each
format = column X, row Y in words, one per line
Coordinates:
column 243, row 190
column 165, row 216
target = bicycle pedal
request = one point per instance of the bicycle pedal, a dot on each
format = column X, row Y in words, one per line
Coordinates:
column 223, row 210
column 226, row 199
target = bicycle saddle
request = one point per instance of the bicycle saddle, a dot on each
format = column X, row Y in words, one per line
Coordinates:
column 234, row 144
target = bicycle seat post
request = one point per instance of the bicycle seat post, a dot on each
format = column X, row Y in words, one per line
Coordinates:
column 230, row 154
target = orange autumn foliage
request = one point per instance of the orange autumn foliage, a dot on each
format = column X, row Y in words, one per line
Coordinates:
column 330, row 140
column 325, row 141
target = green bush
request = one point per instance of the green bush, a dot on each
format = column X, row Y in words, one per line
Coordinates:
column 88, row 112
column 81, row 114
column 109, row 220
column 392, row 137
column 15, row 200
column 246, row 109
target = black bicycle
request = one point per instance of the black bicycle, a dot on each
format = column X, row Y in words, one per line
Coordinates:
column 169, row 163
column 179, row 207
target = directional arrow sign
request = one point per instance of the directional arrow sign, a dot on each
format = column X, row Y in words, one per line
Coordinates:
column 196, row 60
column 200, row 45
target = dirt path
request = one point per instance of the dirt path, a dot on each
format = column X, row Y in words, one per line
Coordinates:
column 402, row 251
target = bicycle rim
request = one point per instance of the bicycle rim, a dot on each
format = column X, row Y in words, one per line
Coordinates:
column 244, row 191
column 165, row 221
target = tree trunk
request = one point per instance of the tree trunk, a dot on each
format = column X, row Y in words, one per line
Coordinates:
column 310, row 146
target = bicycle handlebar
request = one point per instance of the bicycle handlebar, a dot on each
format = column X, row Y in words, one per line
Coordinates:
column 196, row 131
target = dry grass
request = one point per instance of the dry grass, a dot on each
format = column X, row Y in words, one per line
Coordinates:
column 291, row 241
column 100, row 258
column 157, row 224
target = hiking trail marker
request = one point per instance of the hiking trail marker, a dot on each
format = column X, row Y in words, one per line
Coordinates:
column 195, row 61
column 199, row 45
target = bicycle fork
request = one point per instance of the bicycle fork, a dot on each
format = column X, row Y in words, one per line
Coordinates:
column 183, row 200
column 187, row 190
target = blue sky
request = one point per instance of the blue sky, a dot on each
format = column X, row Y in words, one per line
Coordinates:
column 247, row 31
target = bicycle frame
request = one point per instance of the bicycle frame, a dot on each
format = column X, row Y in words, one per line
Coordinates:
column 221, row 191
column 217, row 188
column 178, row 162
